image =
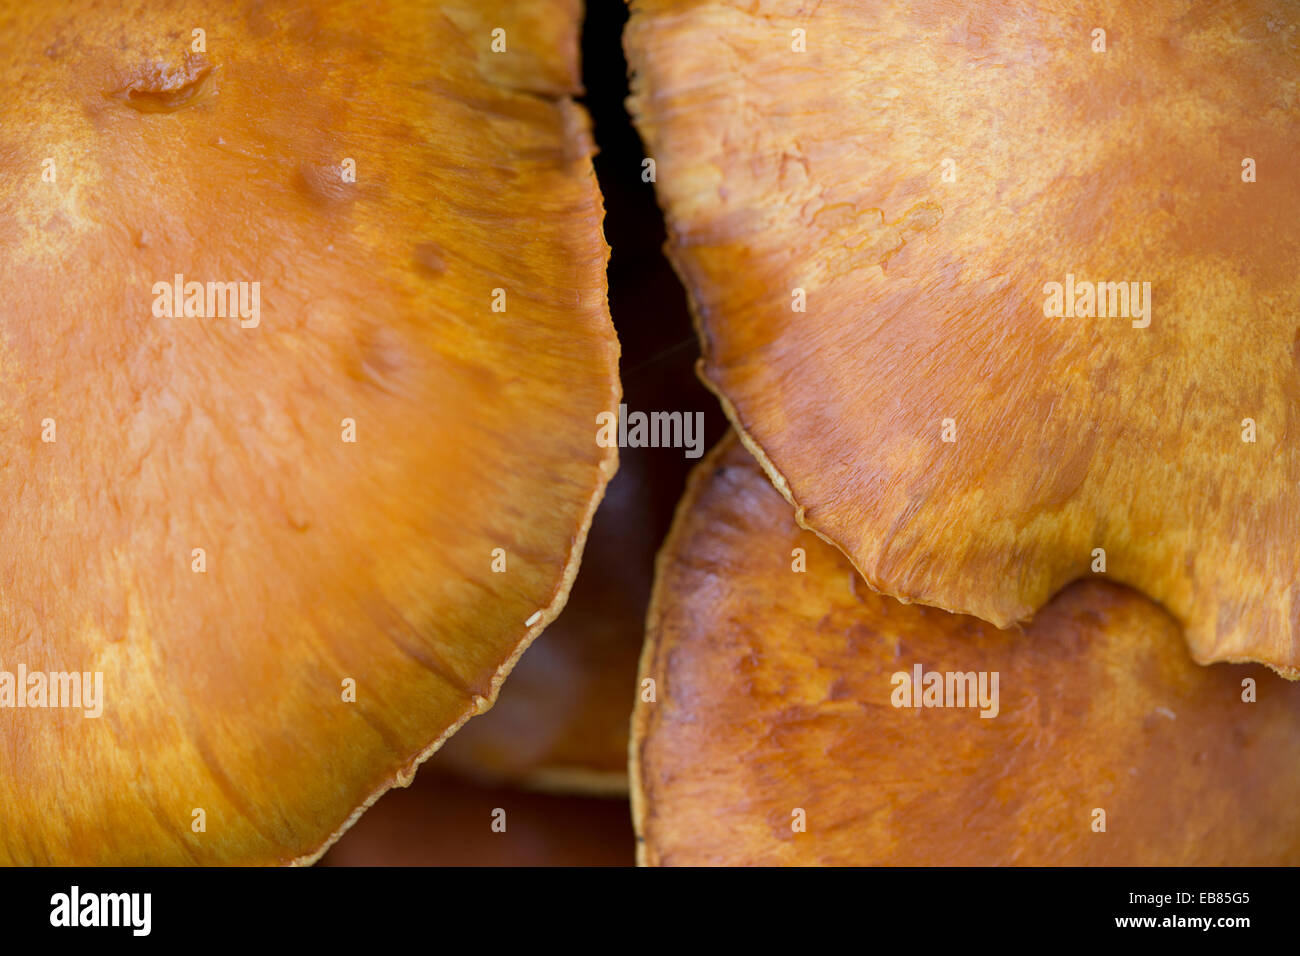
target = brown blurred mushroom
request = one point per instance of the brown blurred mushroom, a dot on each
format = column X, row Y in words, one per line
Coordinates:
column 775, row 737
column 444, row 821
column 1003, row 294
column 562, row 722
column 186, row 510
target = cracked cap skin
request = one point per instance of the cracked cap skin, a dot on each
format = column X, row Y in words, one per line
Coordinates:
column 774, row 692
column 824, row 171
column 325, row 560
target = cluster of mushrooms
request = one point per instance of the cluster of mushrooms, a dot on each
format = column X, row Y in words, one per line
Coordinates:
column 305, row 554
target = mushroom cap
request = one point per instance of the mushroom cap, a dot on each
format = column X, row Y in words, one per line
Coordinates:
column 775, row 692
column 323, row 560
column 920, row 176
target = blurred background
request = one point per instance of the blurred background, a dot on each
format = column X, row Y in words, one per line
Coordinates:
column 552, row 752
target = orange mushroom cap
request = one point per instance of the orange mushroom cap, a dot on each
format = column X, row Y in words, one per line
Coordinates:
column 779, row 734
column 995, row 291
column 379, row 488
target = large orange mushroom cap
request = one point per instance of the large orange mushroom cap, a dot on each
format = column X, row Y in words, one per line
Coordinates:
column 774, row 737
column 185, row 508
column 869, row 202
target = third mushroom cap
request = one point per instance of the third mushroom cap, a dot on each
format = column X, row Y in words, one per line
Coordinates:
column 799, row 718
